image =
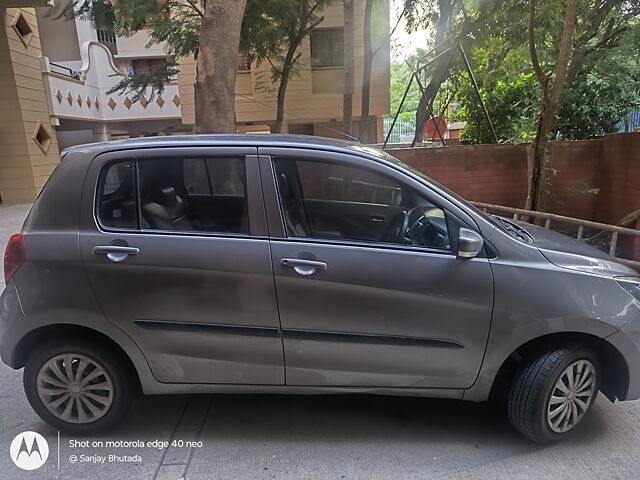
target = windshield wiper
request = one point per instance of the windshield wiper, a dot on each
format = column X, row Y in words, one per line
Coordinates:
column 513, row 229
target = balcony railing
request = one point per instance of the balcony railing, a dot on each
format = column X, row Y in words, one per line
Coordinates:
column 106, row 36
column 608, row 234
column 65, row 71
column 84, row 95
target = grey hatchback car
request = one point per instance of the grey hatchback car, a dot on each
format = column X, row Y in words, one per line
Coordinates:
column 289, row 264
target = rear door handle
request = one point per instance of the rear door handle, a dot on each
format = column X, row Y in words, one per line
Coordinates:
column 303, row 267
column 115, row 253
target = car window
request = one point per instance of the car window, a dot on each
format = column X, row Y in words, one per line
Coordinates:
column 116, row 196
column 175, row 194
column 193, row 194
column 221, row 176
column 335, row 201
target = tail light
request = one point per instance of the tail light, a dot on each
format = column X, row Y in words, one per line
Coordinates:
column 14, row 256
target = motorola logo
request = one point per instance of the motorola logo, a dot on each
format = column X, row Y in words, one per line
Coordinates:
column 29, row 450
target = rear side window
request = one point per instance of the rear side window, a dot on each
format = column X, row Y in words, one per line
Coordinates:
column 116, row 196
column 175, row 194
column 221, row 176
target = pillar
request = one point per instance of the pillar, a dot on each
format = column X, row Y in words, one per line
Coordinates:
column 29, row 150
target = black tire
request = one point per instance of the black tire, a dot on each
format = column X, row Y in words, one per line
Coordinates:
column 534, row 384
column 118, row 371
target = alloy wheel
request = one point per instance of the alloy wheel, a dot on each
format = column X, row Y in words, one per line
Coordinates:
column 571, row 396
column 75, row 388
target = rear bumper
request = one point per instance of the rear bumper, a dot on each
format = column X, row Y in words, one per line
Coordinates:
column 10, row 314
column 627, row 341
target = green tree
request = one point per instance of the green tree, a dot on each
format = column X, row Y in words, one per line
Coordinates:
column 453, row 23
column 606, row 90
column 400, row 74
column 603, row 91
column 273, row 32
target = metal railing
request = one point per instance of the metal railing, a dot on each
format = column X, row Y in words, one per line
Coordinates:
column 106, row 36
column 631, row 122
column 612, row 232
column 64, row 71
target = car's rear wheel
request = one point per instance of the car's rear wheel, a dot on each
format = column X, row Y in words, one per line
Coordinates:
column 553, row 391
column 78, row 387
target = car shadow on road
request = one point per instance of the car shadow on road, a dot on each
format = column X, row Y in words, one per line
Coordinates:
column 354, row 418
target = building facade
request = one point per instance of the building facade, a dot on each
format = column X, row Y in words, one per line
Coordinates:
column 56, row 75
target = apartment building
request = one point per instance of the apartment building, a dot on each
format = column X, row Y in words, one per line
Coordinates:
column 55, row 76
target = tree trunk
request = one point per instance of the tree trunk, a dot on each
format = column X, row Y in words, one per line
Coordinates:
column 536, row 158
column 349, row 66
column 440, row 70
column 365, row 118
column 551, row 103
column 282, row 89
column 217, row 67
column 425, row 106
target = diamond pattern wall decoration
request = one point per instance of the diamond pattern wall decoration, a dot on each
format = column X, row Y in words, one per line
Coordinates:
column 112, row 103
column 42, row 137
column 176, row 100
column 22, row 28
column 96, row 102
column 128, row 102
column 88, row 101
column 70, row 98
column 160, row 101
column 79, row 100
column 59, row 96
column 144, row 102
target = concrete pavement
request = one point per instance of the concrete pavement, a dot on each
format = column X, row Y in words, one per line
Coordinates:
column 317, row 437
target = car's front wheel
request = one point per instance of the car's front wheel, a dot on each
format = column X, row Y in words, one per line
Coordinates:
column 553, row 391
column 78, row 387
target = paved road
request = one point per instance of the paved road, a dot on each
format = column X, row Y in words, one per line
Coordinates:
column 316, row 437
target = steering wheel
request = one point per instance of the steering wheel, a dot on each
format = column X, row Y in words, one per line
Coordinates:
column 397, row 231
column 426, row 232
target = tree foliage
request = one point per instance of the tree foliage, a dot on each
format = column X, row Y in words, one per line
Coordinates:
column 175, row 22
column 601, row 91
column 603, row 83
column 272, row 32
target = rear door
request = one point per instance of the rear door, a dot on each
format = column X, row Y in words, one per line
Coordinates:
column 359, row 304
column 174, row 243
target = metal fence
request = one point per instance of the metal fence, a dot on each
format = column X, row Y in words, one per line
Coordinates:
column 403, row 132
column 605, row 235
column 631, row 122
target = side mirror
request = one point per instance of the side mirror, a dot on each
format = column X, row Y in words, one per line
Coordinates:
column 469, row 243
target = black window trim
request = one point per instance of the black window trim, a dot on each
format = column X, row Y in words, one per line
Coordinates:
column 178, row 233
column 354, row 243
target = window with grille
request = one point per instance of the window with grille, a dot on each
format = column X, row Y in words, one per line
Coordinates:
column 327, row 48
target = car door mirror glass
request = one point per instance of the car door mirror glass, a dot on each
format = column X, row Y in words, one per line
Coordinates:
column 470, row 243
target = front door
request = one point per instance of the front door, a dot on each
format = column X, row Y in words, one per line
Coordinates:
column 175, row 248
column 370, row 292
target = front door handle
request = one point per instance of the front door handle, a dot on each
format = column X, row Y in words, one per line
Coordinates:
column 303, row 267
column 115, row 253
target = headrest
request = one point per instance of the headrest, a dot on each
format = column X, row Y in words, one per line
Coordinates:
column 172, row 202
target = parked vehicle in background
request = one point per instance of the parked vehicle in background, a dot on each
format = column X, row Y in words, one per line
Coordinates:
column 289, row 264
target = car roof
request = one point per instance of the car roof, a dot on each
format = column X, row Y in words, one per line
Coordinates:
column 229, row 140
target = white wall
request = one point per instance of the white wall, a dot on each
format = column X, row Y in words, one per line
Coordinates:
column 135, row 46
